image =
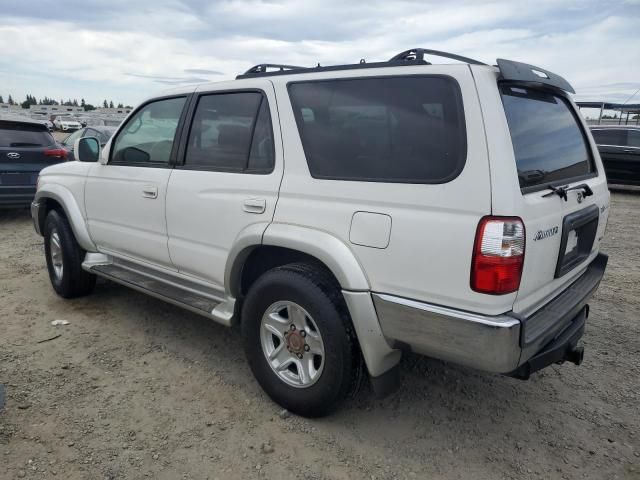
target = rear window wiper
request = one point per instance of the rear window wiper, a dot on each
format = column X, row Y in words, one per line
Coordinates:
column 562, row 191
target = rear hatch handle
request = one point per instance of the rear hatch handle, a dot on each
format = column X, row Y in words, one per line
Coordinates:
column 562, row 191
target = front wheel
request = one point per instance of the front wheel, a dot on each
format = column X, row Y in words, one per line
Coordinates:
column 299, row 339
column 64, row 258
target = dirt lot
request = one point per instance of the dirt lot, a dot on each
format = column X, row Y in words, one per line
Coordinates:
column 135, row 388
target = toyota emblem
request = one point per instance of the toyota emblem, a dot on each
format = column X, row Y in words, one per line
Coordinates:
column 13, row 155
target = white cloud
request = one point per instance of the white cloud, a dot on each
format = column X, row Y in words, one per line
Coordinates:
column 126, row 48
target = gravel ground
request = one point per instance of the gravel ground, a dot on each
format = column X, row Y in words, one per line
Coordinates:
column 134, row 388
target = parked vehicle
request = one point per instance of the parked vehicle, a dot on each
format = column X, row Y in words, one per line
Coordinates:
column 26, row 147
column 619, row 148
column 46, row 123
column 103, row 134
column 342, row 215
column 65, row 124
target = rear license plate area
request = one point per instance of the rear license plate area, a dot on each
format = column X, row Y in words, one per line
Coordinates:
column 578, row 234
column 14, row 179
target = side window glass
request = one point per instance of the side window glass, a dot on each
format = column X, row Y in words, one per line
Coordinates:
column 147, row 138
column 262, row 153
column 609, row 136
column 70, row 140
column 634, row 138
column 399, row 129
column 231, row 132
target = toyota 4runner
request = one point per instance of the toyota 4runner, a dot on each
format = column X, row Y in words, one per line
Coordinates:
column 342, row 215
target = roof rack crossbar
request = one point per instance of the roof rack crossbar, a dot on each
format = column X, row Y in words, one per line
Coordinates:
column 417, row 55
column 263, row 68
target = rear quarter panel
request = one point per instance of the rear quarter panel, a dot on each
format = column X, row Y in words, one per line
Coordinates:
column 433, row 227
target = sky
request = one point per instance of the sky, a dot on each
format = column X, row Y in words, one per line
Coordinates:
column 127, row 50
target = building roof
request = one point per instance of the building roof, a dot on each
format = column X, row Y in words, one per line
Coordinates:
column 620, row 107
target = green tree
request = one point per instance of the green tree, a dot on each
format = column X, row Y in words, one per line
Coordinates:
column 83, row 104
column 30, row 100
column 10, row 100
column 1, row 99
column 111, row 104
column 119, row 105
column 105, row 104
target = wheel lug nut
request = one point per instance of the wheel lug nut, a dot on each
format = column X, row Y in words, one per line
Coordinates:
column 292, row 327
column 299, row 355
column 306, row 348
column 303, row 333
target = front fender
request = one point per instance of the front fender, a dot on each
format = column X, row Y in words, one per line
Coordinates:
column 67, row 201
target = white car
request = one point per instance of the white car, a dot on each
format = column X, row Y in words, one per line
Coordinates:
column 65, row 124
column 343, row 215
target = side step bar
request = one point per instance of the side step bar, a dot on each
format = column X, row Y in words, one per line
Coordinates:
column 156, row 288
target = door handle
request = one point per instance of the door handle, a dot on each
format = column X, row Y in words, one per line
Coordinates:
column 627, row 150
column 254, row 205
column 149, row 191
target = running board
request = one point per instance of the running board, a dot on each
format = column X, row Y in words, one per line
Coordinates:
column 157, row 288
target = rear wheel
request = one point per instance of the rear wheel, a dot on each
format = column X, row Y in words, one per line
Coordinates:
column 299, row 340
column 64, row 258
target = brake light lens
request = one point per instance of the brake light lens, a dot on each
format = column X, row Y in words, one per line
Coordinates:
column 59, row 153
column 498, row 255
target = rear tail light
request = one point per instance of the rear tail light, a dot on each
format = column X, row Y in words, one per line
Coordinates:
column 59, row 153
column 498, row 255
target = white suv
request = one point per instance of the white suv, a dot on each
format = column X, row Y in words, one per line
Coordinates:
column 342, row 215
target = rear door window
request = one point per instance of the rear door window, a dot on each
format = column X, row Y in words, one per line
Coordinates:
column 389, row 129
column 231, row 132
column 24, row 135
column 548, row 142
column 609, row 136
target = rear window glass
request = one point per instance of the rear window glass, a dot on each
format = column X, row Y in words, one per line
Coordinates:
column 610, row 137
column 548, row 143
column 395, row 129
column 21, row 135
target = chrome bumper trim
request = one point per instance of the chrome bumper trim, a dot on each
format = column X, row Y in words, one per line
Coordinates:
column 35, row 215
column 490, row 343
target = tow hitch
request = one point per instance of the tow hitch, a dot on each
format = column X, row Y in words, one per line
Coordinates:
column 563, row 349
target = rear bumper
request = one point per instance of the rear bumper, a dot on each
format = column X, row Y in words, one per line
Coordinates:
column 16, row 196
column 501, row 343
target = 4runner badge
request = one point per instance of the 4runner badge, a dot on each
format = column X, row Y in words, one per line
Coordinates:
column 542, row 234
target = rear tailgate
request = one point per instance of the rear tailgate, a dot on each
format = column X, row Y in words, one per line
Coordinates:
column 541, row 140
column 25, row 149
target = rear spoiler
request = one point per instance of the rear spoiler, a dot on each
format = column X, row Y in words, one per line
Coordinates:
column 530, row 74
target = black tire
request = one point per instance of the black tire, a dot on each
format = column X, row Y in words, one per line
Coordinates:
column 315, row 290
column 72, row 281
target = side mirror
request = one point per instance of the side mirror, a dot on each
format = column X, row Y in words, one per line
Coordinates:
column 87, row 149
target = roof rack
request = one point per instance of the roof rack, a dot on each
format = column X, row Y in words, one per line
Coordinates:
column 509, row 70
column 262, row 68
column 415, row 56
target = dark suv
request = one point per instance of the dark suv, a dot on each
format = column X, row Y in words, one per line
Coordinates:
column 619, row 148
column 26, row 147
